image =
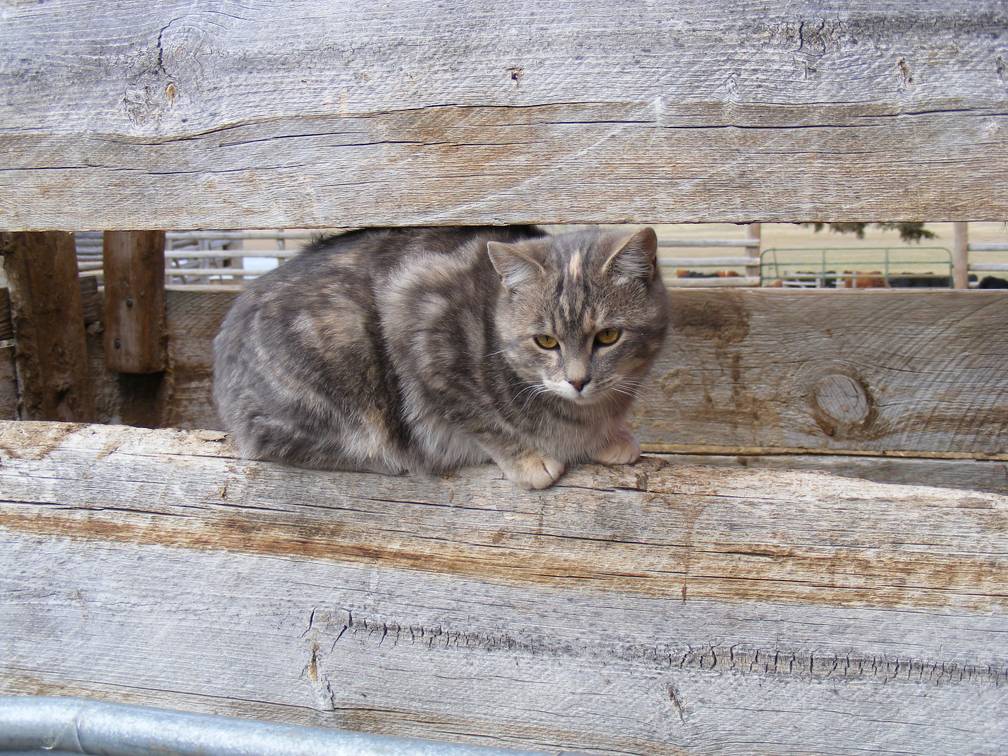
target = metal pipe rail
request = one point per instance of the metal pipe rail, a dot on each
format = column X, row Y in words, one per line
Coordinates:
column 673, row 243
column 50, row 725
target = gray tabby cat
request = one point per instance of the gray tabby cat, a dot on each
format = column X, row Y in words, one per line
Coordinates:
column 421, row 350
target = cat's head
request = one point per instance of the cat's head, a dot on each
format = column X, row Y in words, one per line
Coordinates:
column 581, row 314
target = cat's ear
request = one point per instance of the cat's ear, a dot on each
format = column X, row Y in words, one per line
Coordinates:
column 636, row 257
column 514, row 263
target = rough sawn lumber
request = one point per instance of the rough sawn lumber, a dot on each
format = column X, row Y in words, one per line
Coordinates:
column 314, row 114
column 641, row 609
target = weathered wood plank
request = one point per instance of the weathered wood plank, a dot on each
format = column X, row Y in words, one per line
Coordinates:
column 762, row 369
column 871, row 371
column 45, row 304
column 645, row 609
column 134, row 321
column 966, row 474
column 309, row 114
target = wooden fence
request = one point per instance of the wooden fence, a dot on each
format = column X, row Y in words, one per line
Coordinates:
column 378, row 113
column 723, row 594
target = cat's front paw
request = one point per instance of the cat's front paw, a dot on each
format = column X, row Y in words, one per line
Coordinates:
column 623, row 450
column 533, row 471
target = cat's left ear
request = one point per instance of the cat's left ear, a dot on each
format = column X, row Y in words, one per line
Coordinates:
column 636, row 257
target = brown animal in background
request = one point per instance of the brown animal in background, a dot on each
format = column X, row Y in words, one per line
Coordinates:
column 871, row 280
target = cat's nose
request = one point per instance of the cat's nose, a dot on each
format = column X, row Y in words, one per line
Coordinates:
column 579, row 384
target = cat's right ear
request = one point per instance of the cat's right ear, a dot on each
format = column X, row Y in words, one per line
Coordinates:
column 514, row 263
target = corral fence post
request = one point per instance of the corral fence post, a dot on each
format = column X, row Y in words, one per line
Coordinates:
column 960, row 255
column 45, row 303
column 134, row 265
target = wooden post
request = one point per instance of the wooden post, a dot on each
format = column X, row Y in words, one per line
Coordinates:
column 8, row 371
column 960, row 255
column 50, row 351
column 134, row 265
column 754, row 231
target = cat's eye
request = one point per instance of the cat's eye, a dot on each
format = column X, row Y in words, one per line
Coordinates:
column 608, row 336
column 544, row 341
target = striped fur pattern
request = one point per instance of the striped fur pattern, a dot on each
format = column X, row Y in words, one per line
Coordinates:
column 414, row 350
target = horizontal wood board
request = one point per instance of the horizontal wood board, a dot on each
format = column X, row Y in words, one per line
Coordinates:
column 645, row 609
column 870, row 372
column 874, row 371
column 310, row 114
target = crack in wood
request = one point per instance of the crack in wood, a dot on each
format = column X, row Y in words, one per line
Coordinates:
column 711, row 658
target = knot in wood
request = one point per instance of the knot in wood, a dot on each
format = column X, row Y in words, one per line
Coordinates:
column 841, row 401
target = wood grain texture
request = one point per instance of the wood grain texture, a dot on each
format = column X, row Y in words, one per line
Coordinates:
column 6, row 324
column 45, row 305
column 134, row 265
column 965, row 474
column 643, row 609
column 8, row 384
column 875, row 371
column 309, row 114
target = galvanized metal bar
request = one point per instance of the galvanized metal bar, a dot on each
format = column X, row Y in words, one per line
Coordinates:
column 234, row 235
column 671, row 243
column 50, row 725
column 185, row 254
column 711, row 282
column 705, row 262
column 988, row 246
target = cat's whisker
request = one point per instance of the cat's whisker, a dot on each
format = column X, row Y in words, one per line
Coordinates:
column 531, row 387
column 626, row 391
column 541, row 390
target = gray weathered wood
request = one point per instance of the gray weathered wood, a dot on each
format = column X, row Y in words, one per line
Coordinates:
column 642, row 609
column 48, row 319
column 134, row 315
column 914, row 372
column 310, row 114
column 871, row 371
column 967, row 474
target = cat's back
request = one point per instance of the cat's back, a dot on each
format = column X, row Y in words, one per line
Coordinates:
column 303, row 367
column 327, row 297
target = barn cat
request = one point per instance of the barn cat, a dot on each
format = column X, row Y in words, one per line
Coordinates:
column 422, row 349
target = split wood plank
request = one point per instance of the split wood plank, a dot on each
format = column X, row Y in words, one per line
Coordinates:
column 48, row 318
column 134, row 265
column 376, row 113
column 644, row 609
